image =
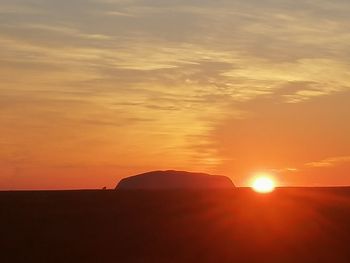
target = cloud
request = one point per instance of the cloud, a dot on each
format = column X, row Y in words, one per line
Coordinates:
column 330, row 162
column 13, row 8
column 111, row 71
column 260, row 58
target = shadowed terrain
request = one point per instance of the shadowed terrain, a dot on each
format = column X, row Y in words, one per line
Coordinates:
column 289, row 225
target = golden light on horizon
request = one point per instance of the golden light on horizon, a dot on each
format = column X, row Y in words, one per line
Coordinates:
column 263, row 184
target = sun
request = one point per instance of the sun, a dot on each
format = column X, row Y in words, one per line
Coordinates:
column 263, row 184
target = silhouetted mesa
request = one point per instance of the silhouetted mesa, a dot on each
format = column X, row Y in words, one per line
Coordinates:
column 175, row 180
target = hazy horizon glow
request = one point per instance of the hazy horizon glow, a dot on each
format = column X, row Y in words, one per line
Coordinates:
column 92, row 91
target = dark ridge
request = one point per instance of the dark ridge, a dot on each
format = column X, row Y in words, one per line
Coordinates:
column 171, row 179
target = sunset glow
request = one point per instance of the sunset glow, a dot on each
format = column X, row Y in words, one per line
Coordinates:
column 263, row 184
column 94, row 91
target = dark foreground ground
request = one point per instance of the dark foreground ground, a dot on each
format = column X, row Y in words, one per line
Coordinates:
column 289, row 225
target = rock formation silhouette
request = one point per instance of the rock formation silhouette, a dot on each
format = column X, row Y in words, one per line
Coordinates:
column 171, row 179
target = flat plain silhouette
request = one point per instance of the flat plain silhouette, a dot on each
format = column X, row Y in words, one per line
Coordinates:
column 287, row 226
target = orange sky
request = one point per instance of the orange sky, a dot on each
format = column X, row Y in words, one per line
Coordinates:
column 92, row 91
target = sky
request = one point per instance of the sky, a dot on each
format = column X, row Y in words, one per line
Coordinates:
column 92, row 91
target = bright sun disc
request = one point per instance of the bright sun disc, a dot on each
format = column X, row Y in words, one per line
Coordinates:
column 263, row 185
